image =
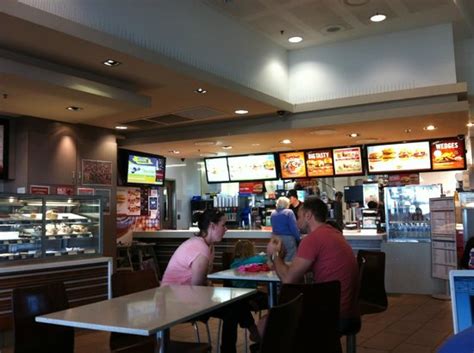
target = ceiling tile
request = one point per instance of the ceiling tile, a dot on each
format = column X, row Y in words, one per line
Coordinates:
column 363, row 13
column 318, row 15
column 238, row 8
column 424, row 5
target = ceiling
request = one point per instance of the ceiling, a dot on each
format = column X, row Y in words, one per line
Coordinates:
column 326, row 21
column 44, row 71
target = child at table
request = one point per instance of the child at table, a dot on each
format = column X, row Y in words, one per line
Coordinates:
column 244, row 254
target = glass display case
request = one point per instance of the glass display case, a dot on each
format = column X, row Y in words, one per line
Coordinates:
column 36, row 226
column 407, row 210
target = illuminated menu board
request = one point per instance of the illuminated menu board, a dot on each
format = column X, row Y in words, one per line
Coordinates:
column 448, row 154
column 252, row 167
column 399, row 157
column 216, row 170
column 292, row 165
column 347, row 161
column 319, row 163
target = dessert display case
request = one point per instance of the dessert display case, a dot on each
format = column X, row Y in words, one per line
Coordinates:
column 37, row 226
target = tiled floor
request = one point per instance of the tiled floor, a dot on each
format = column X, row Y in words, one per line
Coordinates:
column 411, row 324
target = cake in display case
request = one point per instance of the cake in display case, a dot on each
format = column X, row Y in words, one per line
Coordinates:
column 34, row 226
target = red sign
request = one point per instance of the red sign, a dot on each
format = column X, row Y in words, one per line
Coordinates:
column 403, row 179
column 251, row 188
column 65, row 190
column 448, row 154
column 39, row 190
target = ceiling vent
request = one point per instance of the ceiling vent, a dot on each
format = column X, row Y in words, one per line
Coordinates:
column 141, row 124
column 169, row 119
column 198, row 113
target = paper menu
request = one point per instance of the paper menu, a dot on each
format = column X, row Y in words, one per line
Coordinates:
column 347, row 161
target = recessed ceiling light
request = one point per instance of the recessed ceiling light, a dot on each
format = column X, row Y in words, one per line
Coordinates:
column 121, row 127
column 73, row 108
column 285, row 141
column 200, row 90
column 241, row 111
column 407, row 131
column 470, row 124
column 111, row 62
column 228, row 147
column 354, row 134
column 295, row 39
column 322, row 132
column 430, row 128
column 204, row 143
column 174, row 151
column 378, row 17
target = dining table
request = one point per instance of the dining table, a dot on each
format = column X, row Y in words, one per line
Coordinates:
column 153, row 311
column 269, row 277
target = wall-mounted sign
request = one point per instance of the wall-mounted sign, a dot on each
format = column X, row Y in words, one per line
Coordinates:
column 292, row 165
column 348, row 161
column 399, row 157
column 448, row 154
column 319, row 163
column 216, row 170
column 252, row 167
column 251, row 187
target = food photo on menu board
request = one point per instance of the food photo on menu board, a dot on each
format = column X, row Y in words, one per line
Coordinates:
column 347, row 161
column 448, row 154
column 319, row 163
column 216, row 170
column 292, row 165
column 399, row 157
column 252, row 167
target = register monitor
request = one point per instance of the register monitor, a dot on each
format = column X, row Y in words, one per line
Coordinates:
column 462, row 298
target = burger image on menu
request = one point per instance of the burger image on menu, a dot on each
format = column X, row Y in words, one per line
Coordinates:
column 405, row 153
column 389, row 153
column 419, row 153
column 376, row 156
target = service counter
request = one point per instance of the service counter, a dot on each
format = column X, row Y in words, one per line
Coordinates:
column 167, row 240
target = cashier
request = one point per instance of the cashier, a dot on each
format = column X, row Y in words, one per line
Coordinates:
column 295, row 204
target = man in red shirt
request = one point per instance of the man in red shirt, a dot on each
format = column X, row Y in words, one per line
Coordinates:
column 324, row 252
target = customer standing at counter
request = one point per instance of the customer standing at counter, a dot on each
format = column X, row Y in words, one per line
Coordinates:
column 193, row 260
column 285, row 227
column 325, row 253
column 295, row 204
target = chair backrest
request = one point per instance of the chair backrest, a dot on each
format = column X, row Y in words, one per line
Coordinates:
column 281, row 327
column 372, row 281
column 31, row 336
column 227, row 258
column 127, row 282
column 319, row 321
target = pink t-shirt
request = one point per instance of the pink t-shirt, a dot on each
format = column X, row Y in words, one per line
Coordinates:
column 332, row 260
column 178, row 270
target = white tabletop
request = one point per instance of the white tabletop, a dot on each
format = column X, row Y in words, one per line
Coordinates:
column 233, row 274
column 145, row 313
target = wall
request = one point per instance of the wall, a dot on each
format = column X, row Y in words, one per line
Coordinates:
column 376, row 64
column 187, row 175
column 50, row 153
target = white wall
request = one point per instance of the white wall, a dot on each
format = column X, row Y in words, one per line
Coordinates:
column 188, row 184
column 188, row 31
column 390, row 62
column 447, row 179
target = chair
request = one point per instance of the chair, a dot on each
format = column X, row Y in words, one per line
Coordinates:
column 318, row 326
column 282, row 325
column 30, row 336
column 372, row 294
column 124, row 283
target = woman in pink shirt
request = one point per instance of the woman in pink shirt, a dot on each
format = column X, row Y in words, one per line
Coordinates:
column 191, row 263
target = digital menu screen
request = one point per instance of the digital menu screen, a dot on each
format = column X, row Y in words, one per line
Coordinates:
column 319, row 163
column 448, row 154
column 399, row 157
column 252, row 167
column 142, row 169
column 347, row 161
column 292, row 165
column 216, row 170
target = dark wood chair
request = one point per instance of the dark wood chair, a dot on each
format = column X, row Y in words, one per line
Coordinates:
column 124, row 283
column 318, row 325
column 282, row 325
column 372, row 294
column 31, row 336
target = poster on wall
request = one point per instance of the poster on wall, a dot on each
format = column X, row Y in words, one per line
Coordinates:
column 319, row 163
column 448, row 154
column 39, row 190
column 105, row 195
column 399, row 157
column 292, row 165
column 348, row 161
column 216, row 170
column 65, row 190
column 133, row 202
column 121, row 201
column 95, row 172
